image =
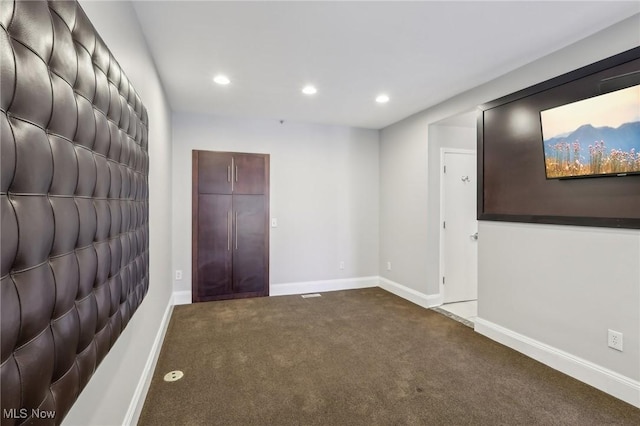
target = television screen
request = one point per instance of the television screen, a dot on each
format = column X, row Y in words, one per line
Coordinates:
column 598, row 136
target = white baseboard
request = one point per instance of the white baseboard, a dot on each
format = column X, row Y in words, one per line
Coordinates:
column 414, row 296
column 182, row 297
column 320, row 286
column 135, row 407
column 608, row 381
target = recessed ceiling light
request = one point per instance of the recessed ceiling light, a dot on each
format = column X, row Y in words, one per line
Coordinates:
column 381, row 99
column 309, row 90
column 222, row 79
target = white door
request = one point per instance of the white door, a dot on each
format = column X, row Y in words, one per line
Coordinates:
column 459, row 226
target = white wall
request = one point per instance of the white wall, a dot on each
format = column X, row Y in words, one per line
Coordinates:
column 409, row 201
column 403, row 204
column 324, row 193
column 107, row 397
column 511, row 255
column 565, row 286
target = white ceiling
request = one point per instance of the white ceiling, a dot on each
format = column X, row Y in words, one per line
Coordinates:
column 419, row 53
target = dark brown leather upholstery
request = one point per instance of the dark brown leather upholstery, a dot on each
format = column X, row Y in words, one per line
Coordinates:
column 74, row 200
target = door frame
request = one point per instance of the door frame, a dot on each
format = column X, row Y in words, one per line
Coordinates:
column 444, row 151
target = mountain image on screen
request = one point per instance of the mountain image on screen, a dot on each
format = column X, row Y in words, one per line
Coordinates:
column 594, row 151
column 622, row 138
column 593, row 137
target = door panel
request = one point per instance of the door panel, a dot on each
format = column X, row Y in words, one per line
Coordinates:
column 214, row 245
column 249, row 174
column 250, row 244
column 460, row 248
column 214, row 173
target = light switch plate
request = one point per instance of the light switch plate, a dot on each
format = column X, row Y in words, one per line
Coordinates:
column 274, row 222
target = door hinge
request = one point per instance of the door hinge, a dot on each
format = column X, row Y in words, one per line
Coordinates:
column 442, row 280
column 444, row 225
column 445, row 169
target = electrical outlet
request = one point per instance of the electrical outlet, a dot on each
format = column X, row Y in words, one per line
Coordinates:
column 388, row 266
column 615, row 340
column 178, row 274
column 342, row 264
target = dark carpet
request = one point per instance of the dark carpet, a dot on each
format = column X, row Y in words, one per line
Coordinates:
column 357, row 357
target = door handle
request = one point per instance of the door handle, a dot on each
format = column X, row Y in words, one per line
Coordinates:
column 474, row 237
column 228, row 173
column 229, row 230
column 236, row 230
column 236, row 172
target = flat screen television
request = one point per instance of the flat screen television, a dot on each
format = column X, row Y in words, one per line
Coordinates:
column 598, row 136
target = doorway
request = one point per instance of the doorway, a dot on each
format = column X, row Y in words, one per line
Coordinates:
column 459, row 231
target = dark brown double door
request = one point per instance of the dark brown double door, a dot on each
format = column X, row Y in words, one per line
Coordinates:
column 230, row 225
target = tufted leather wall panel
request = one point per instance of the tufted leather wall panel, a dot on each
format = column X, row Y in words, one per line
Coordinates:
column 74, row 202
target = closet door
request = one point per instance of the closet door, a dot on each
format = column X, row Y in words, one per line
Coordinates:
column 215, row 172
column 250, row 271
column 214, row 239
column 249, row 174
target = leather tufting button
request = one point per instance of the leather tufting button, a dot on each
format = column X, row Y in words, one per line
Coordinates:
column 101, row 100
column 34, row 29
column 7, row 65
column 86, row 361
column 65, row 166
column 88, row 221
column 66, row 332
column 36, row 290
column 32, row 83
column 101, row 56
column 35, row 230
column 9, row 235
column 67, row 11
column 102, row 342
column 35, row 381
column 64, row 117
column 34, row 161
column 103, row 134
column 87, row 312
column 8, row 158
column 87, row 267
column 67, row 225
column 83, row 32
column 9, row 382
column 6, row 13
column 63, row 61
column 66, row 389
column 86, row 129
column 66, row 273
column 10, row 315
column 86, row 81
column 87, row 170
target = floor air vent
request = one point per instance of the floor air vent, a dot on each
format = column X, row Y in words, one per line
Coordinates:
column 306, row 296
